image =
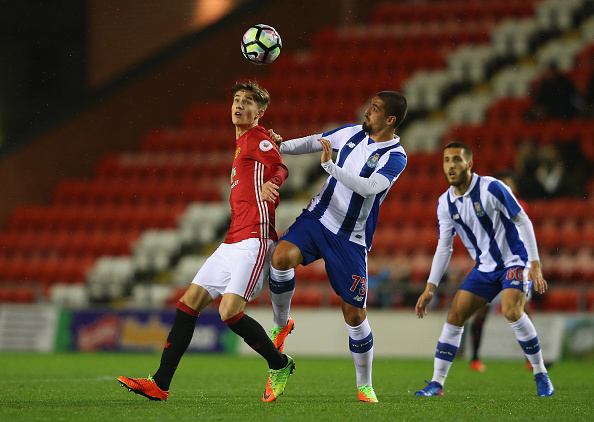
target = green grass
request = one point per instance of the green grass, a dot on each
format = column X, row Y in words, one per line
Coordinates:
column 83, row 387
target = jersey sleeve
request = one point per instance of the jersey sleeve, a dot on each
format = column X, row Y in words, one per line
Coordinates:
column 505, row 199
column 339, row 137
column 445, row 223
column 394, row 166
column 264, row 151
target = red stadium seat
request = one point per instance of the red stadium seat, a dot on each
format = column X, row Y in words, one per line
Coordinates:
column 561, row 299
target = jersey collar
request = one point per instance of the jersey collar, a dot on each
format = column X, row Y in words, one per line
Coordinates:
column 473, row 182
column 390, row 143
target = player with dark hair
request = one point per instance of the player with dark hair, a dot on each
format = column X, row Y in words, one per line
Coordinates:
column 478, row 321
column 339, row 223
column 499, row 236
column 238, row 269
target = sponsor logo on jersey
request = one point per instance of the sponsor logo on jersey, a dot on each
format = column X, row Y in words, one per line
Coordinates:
column 237, row 151
column 456, row 216
column 351, row 145
column 233, row 173
column 480, row 212
column 266, row 145
column 372, row 162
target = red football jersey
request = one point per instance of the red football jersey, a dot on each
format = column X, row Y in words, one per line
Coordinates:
column 255, row 155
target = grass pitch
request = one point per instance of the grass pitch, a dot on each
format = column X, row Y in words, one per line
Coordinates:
column 83, row 387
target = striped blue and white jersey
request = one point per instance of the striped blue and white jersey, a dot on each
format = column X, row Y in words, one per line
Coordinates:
column 482, row 217
column 340, row 209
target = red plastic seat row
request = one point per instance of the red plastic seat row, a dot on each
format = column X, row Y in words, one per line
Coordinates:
column 406, row 213
column 498, row 136
column 508, row 109
column 437, row 38
column 569, row 267
column 340, row 91
column 456, row 10
column 139, row 192
column 192, row 137
column 159, row 167
column 406, row 240
column 47, row 270
column 560, row 210
column 67, row 217
column 18, row 293
column 561, row 299
column 66, row 244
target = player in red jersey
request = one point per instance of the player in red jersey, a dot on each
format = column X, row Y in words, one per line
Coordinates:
column 238, row 269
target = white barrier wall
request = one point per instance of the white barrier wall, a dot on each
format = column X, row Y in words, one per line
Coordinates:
column 402, row 334
column 28, row 327
column 318, row 332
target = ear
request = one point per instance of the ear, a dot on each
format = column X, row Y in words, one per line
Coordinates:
column 260, row 113
column 470, row 165
column 391, row 121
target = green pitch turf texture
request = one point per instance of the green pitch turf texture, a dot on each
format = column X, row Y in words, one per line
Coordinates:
column 83, row 387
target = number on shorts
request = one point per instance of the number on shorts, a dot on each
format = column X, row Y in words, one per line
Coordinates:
column 515, row 274
column 358, row 280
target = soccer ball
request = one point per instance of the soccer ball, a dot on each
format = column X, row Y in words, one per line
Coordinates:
column 261, row 44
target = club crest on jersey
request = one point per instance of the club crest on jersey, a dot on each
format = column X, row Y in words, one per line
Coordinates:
column 372, row 161
column 266, row 145
column 480, row 211
column 237, row 152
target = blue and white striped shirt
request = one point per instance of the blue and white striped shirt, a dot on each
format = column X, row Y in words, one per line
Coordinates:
column 341, row 210
column 482, row 217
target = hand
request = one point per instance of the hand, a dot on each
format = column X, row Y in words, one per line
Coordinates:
column 269, row 192
column 424, row 299
column 535, row 274
column 327, row 153
column 276, row 138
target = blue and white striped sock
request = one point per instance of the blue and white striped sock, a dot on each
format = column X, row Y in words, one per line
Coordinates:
column 526, row 335
column 447, row 347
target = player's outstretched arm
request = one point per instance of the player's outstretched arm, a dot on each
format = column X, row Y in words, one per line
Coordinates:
column 424, row 300
column 535, row 274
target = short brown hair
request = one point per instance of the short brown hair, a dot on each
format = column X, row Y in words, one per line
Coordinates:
column 465, row 148
column 261, row 96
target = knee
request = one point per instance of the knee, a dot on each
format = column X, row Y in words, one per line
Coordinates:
column 227, row 312
column 281, row 261
column 354, row 316
column 455, row 318
column 513, row 313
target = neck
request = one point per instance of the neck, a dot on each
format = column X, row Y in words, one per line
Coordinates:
column 240, row 130
column 384, row 135
column 463, row 187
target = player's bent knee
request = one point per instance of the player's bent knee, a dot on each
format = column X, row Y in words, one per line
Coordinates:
column 512, row 314
column 286, row 256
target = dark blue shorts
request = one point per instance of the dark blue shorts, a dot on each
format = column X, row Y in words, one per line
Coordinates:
column 346, row 262
column 488, row 285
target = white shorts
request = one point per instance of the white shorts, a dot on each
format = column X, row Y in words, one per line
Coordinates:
column 239, row 268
